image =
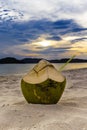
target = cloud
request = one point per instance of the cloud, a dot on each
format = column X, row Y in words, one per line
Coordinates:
column 24, row 23
column 48, row 9
column 26, row 38
column 20, row 33
column 79, row 40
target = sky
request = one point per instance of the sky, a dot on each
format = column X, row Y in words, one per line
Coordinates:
column 49, row 29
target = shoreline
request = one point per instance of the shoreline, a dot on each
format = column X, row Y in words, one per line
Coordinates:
column 69, row 113
column 21, row 74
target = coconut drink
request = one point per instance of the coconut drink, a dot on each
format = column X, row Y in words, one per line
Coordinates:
column 44, row 84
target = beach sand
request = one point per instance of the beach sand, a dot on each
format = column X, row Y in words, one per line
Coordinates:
column 70, row 113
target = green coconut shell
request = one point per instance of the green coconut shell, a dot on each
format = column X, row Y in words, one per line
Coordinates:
column 46, row 92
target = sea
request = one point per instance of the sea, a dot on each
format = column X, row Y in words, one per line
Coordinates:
column 6, row 69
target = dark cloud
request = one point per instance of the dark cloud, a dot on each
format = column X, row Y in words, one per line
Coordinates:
column 13, row 33
column 78, row 39
column 26, row 50
column 23, row 32
column 57, row 38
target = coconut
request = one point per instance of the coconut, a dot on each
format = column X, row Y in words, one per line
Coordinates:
column 44, row 84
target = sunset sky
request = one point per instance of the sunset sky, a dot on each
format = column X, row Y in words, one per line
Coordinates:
column 50, row 29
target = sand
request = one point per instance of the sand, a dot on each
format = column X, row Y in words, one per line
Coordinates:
column 70, row 113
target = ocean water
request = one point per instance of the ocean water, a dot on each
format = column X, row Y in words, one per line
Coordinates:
column 6, row 69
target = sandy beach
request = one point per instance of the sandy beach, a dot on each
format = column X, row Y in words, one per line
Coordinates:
column 70, row 113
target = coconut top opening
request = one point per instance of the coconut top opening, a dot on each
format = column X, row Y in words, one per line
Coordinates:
column 41, row 72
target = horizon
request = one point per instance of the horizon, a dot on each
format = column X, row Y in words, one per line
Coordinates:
column 56, row 30
column 75, row 58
